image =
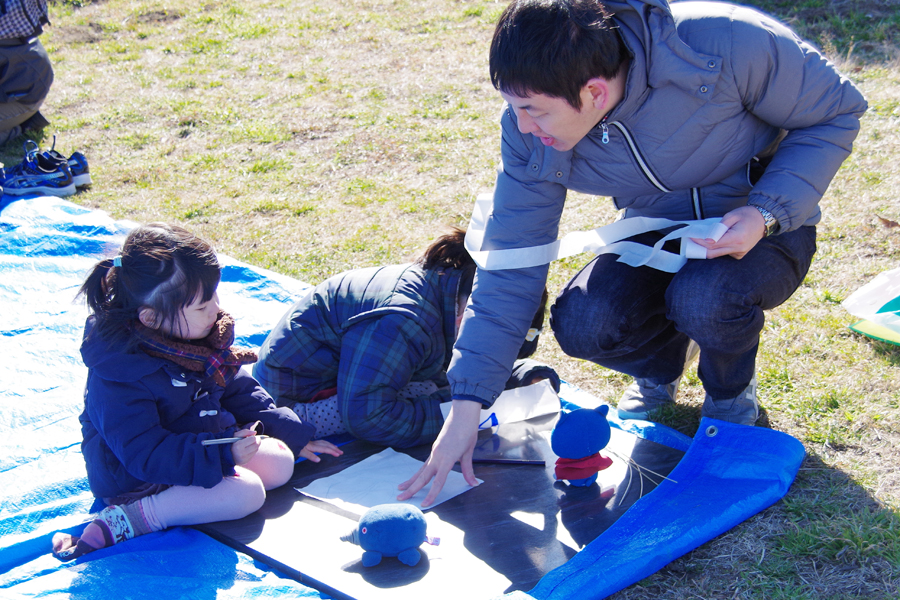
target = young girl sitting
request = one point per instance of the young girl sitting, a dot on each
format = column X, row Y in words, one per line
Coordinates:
column 164, row 382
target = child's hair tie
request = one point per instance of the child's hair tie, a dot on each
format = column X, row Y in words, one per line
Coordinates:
column 117, row 261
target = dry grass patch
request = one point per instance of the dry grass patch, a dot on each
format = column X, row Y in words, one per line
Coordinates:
column 311, row 138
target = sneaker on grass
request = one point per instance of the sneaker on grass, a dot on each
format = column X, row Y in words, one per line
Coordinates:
column 742, row 409
column 37, row 174
column 643, row 398
column 78, row 164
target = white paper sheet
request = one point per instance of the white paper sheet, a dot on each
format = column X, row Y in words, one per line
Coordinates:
column 374, row 481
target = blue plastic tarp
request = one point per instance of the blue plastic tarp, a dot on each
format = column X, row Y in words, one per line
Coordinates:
column 46, row 247
column 728, row 474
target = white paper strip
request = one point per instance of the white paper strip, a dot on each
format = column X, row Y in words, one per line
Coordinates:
column 603, row 240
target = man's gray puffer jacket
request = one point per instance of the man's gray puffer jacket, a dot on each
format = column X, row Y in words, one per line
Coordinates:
column 710, row 86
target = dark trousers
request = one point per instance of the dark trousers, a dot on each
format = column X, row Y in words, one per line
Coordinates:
column 639, row 321
column 25, row 79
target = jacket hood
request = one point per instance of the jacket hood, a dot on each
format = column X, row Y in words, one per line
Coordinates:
column 659, row 57
column 109, row 360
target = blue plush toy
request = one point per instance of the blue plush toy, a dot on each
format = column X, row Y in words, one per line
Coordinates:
column 577, row 439
column 391, row 530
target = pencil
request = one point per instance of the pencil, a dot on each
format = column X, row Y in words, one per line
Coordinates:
column 508, row 461
column 231, row 440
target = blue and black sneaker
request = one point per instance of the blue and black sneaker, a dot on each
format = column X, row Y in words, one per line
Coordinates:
column 38, row 174
column 78, row 164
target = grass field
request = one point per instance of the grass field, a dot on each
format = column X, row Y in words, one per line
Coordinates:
column 312, row 137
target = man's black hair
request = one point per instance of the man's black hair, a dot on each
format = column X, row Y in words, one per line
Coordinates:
column 554, row 47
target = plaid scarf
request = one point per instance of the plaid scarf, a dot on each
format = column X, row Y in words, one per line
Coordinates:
column 213, row 355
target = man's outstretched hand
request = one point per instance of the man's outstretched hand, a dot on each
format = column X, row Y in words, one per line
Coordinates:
column 455, row 443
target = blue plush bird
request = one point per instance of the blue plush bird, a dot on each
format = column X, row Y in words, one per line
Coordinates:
column 577, row 439
column 391, row 530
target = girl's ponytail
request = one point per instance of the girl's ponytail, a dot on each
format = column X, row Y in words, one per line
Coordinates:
column 96, row 286
column 449, row 251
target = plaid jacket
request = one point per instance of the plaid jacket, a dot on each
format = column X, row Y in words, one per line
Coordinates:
column 22, row 18
column 368, row 332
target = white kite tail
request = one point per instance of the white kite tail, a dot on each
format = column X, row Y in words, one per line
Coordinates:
column 603, row 240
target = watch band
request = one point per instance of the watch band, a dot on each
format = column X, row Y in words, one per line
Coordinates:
column 772, row 225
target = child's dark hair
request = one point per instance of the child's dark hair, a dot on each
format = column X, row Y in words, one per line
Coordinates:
column 449, row 251
column 162, row 267
column 554, row 47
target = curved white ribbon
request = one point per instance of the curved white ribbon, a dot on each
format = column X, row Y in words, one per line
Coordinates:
column 603, row 240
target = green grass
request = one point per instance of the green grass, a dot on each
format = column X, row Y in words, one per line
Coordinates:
column 310, row 140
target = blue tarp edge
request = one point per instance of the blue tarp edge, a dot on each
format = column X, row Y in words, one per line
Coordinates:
column 729, row 473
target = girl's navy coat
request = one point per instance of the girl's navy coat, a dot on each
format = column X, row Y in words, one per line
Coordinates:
column 145, row 417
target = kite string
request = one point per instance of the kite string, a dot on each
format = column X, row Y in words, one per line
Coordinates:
column 641, row 471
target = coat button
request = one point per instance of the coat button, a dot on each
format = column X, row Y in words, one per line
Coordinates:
column 534, row 167
column 711, row 64
column 703, row 89
column 559, row 173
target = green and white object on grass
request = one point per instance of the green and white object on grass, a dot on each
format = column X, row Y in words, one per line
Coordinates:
column 878, row 305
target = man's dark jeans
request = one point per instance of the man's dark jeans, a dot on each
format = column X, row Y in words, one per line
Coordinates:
column 639, row 321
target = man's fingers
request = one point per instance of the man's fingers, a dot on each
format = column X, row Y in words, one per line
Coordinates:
column 436, row 486
column 415, row 484
column 468, row 472
column 413, row 488
column 410, row 481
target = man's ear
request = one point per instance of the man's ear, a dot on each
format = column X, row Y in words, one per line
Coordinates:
column 148, row 317
column 599, row 90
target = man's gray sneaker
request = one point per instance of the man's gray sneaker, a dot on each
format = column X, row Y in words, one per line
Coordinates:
column 742, row 409
column 643, row 398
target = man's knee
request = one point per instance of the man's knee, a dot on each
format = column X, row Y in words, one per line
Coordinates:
column 714, row 316
column 579, row 324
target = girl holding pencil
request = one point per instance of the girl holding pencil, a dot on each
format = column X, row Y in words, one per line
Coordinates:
column 164, row 388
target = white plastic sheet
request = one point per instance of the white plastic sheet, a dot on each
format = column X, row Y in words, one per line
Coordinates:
column 519, row 404
column 878, row 301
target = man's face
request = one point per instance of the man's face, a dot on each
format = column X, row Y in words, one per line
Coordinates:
column 553, row 120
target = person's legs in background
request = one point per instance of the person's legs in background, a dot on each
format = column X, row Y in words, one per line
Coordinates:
column 25, row 82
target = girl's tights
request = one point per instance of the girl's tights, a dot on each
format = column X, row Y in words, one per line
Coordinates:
column 232, row 498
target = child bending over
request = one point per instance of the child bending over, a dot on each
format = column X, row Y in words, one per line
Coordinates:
column 367, row 350
column 162, row 379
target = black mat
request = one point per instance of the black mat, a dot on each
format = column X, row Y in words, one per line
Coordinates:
column 501, row 536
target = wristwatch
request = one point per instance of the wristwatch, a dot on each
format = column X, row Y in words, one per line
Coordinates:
column 772, row 225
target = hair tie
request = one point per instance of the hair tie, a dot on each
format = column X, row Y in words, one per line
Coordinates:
column 117, row 261
column 532, row 334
